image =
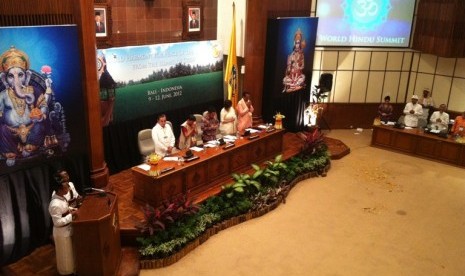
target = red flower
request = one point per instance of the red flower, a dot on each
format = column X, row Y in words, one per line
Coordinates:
column 46, row 69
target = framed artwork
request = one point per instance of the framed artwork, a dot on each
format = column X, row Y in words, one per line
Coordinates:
column 192, row 20
column 102, row 21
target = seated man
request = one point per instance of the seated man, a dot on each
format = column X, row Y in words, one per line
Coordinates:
column 163, row 137
column 210, row 125
column 440, row 119
column 188, row 131
column 458, row 128
column 412, row 111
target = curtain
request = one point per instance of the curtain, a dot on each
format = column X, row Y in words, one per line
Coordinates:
column 24, row 198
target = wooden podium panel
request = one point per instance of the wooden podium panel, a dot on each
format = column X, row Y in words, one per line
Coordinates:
column 213, row 166
column 96, row 237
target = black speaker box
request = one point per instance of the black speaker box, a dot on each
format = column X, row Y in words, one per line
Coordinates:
column 326, row 81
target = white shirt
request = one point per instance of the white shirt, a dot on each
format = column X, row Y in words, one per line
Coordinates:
column 163, row 138
column 443, row 124
column 411, row 120
column 61, row 224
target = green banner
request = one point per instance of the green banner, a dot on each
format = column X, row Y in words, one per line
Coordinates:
column 143, row 80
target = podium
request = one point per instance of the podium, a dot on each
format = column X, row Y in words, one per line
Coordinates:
column 96, row 237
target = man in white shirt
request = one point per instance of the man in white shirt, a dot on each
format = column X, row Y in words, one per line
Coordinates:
column 412, row 111
column 163, row 137
column 440, row 119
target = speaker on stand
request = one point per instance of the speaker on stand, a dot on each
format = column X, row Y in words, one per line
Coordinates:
column 322, row 92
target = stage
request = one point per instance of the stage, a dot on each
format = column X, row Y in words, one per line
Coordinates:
column 42, row 260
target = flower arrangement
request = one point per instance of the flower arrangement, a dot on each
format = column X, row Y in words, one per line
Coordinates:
column 153, row 159
column 278, row 120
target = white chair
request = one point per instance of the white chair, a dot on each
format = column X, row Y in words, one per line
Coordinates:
column 145, row 142
column 199, row 123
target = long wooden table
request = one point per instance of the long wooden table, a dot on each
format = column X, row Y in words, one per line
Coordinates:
column 215, row 165
column 416, row 142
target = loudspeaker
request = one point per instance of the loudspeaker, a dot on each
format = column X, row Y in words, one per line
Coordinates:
column 326, row 82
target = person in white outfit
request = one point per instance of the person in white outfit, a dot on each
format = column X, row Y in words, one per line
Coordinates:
column 412, row 111
column 228, row 119
column 72, row 196
column 62, row 215
column 440, row 119
column 163, row 137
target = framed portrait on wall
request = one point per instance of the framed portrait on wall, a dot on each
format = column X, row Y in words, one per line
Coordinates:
column 101, row 21
column 192, row 20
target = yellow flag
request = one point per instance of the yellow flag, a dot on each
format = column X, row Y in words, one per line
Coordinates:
column 231, row 75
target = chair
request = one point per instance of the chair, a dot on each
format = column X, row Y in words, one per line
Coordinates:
column 171, row 125
column 199, row 123
column 145, row 142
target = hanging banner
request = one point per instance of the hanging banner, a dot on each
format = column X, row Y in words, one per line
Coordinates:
column 158, row 78
column 290, row 47
column 41, row 99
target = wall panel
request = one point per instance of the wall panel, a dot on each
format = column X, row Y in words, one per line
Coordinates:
column 375, row 87
column 446, row 66
column 346, row 60
column 359, row 86
column 378, row 61
column 341, row 86
column 394, row 61
column 427, row 63
column 391, row 85
column 441, row 88
column 457, row 95
column 362, row 60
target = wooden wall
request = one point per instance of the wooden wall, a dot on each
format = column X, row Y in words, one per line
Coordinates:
column 440, row 28
column 152, row 22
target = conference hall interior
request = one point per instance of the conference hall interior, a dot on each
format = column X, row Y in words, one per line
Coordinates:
column 315, row 181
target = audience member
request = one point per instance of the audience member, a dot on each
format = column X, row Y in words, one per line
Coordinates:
column 210, row 125
column 163, row 137
column 412, row 111
column 244, row 112
column 440, row 119
column 385, row 110
column 188, row 132
column 458, row 128
column 228, row 119
column 62, row 215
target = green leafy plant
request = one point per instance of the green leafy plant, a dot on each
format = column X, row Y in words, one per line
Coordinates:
column 170, row 227
column 270, row 175
column 244, row 185
column 166, row 248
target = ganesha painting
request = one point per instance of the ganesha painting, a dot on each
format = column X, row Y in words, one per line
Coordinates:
column 32, row 122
